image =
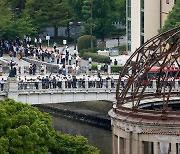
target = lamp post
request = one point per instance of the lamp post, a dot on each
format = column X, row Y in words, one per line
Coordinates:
column 75, row 24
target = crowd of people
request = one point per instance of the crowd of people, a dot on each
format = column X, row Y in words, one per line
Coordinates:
column 56, row 81
column 33, row 49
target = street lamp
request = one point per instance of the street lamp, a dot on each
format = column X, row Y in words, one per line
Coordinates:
column 75, row 24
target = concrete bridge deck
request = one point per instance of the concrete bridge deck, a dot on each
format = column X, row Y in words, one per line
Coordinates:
column 35, row 93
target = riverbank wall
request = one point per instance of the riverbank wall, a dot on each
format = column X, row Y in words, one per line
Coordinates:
column 93, row 113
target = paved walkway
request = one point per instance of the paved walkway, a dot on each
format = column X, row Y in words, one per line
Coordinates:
column 26, row 64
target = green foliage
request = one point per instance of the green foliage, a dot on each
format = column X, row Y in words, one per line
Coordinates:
column 24, row 129
column 173, row 19
column 55, row 12
column 104, row 13
column 84, row 42
column 93, row 50
column 114, row 68
column 122, row 49
column 11, row 25
column 95, row 57
column 103, row 17
column 120, row 13
column 76, row 9
column 72, row 145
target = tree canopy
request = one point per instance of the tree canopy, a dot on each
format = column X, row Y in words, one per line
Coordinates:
column 32, row 17
column 24, row 129
column 173, row 19
column 104, row 13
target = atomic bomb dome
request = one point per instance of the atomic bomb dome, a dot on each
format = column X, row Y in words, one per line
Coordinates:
column 145, row 118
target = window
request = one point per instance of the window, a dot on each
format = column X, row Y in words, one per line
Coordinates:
column 167, row 1
column 142, row 4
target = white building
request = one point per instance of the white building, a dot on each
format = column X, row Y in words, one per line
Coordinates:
column 144, row 19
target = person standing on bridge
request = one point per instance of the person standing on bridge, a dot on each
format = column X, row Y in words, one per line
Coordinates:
column 34, row 69
column 54, row 82
column 98, row 68
column 2, row 84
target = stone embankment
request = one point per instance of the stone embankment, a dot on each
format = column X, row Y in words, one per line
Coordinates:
column 94, row 112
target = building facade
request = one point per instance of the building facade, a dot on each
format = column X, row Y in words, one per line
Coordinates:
column 144, row 19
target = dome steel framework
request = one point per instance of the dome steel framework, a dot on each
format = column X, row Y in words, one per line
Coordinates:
column 163, row 51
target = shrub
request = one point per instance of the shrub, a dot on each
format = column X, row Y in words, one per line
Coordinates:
column 114, row 68
column 84, row 42
column 95, row 57
column 93, row 50
column 121, row 49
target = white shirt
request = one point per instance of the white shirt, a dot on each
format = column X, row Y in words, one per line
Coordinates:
column 99, row 67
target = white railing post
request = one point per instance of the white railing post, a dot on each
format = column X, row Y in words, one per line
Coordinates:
column 86, row 84
column 154, row 84
column 12, row 88
column 63, row 85
column 109, row 69
column 109, row 84
column 176, row 84
column 67, row 69
column 40, row 85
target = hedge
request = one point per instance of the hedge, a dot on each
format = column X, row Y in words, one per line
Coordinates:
column 95, row 57
column 114, row 68
column 93, row 50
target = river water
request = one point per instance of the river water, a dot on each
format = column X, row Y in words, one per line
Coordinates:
column 97, row 137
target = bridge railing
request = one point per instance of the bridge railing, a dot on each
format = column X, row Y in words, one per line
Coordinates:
column 67, row 85
column 3, row 87
column 81, row 84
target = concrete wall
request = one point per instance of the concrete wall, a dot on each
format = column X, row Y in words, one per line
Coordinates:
column 64, row 97
column 165, row 10
column 133, row 138
column 155, row 14
column 151, row 18
column 135, row 24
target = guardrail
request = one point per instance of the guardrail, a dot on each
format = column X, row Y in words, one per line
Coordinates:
column 65, row 85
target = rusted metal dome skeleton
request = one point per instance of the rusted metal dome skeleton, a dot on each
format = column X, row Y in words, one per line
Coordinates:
column 163, row 51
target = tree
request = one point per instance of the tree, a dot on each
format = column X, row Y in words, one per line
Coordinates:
column 17, row 4
column 11, row 25
column 120, row 13
column 69, row 144
column 118, row 33
column 103, row 15
column 173, row 19
column 24, row 129
column 47, row 13
column 75, row 7
column 58, row 14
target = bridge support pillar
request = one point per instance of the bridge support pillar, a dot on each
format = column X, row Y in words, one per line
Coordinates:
column 12, row 91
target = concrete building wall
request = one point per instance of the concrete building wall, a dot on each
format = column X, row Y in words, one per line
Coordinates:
column 135, row 24
column 155, row 14
column 166, row 7
column 151, row 18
